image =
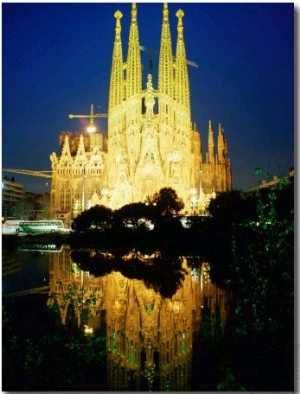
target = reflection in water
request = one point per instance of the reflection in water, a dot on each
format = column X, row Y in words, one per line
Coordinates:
column 40, row 247
column 149, row 338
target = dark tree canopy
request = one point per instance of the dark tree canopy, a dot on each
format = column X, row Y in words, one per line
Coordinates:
column 98, row 218
column 232, row 206
column 145, row 237
column 132, row 215
column 167, row 202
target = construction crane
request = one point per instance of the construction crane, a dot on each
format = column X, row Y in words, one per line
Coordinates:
column 42, row 174
column 48, row 174
column 92, row 116
column 152, row 52
column 35, row 290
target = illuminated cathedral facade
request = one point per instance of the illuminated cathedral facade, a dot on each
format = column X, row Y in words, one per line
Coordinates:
column 151, row 141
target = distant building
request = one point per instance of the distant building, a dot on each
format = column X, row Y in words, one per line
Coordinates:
column 151, row 141
column 274, row 182
column 12, row 194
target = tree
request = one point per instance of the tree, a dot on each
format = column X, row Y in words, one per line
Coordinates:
column 97, row 218
column 254, row 258
column 133, row 215
column 232, row 206
column 263, row 268
column 104, row 240
column 167, row 202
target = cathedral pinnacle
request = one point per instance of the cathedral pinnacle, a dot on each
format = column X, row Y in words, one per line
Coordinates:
column 166, row 67
column 149, row 98
column 133, row 12
column 133, row 67
column 118, row 15
column 149, row 83
column 180, row 15
column 165, row 12
column 220, row 129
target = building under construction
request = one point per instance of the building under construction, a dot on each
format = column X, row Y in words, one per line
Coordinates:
column 151, row 141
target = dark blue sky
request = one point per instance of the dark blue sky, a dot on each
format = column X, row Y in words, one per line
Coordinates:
column 56, row 60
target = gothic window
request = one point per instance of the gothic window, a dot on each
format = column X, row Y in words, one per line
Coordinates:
column 77, row 196
column 61, row 198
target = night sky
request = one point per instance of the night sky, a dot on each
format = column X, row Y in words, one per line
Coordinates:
column 56, row 60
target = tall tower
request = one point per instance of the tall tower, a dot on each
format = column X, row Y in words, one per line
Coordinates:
column 151, row 140
column 118, row 183
column 166, row 68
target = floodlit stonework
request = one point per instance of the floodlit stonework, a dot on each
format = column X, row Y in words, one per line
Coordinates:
column 151, row 141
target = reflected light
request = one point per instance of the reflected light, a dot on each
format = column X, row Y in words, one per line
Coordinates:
column 88, row 330
column 176, row 306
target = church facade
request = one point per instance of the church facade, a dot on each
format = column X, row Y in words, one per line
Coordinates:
column 151, row 141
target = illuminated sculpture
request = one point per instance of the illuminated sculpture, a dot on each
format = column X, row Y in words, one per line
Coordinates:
column 151, row 141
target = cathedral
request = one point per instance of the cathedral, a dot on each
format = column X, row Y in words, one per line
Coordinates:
column 151, row 141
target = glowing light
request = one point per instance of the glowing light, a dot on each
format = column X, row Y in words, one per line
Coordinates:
column 176, row 306
column 91, row 129
column 88, row 330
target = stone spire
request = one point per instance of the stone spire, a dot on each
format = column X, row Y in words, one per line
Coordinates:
column 134, row 67
column 182, row 90
column 221, row 146
column 211, row 145
column 116, row 78
column 165, row 70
